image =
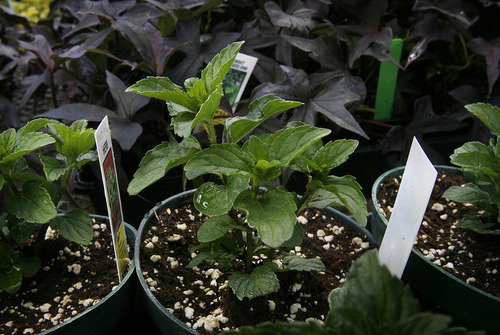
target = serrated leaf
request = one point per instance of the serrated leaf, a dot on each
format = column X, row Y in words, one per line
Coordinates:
column 474, row 223
column 214, row 228
column 335, row 153
column 160, row 160
column 256, row 147
column 216, row 70
column 469, row 193
column 208, row 108
column 259, row 110
column 34, row 204
column 29, row 142
column 34, row 125
column 75, row 225
column 7, row 141
column 373, row 300
column 224, row 158
column 273, row 215
column 347, row 190
column 78, row 143
column 52, row 168
column 288, row 143
column 488, row 114
column 182, row 122
column 299, row 263
column 475, row 155
column 20, row 229
column 212, row 199
column 164, row 89
column 260, row 282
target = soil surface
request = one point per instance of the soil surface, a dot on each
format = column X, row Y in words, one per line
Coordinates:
column 470, row 256
column 200, row 296
column 73, row 278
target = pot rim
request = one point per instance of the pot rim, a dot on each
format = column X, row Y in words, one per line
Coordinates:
column 376, row 208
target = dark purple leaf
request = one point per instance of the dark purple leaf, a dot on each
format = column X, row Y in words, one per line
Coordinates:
column 92, row 42
column 41, row 48
column 428, row 29
column 127, row 104
column 100, row 8
column 9, row 116
column 451, row 8
column 36, row 81
column 186, row 13
column 360, row 46
column 299, row 20
column 125, row 132
column 465, row 94
column 87, row 21
column 491, row 52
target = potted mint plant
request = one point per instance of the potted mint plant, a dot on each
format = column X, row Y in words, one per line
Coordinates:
column 464, row 215
column 249, row 220
column 30, row 227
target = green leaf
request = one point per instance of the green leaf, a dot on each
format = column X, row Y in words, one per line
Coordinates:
column 259, row 110
column 477, row 156
column 216, row 70
column 268, row 170
column 474, row 223
column 78, row 143
column 212, row 199
column 469, row 193
column 488, row 114
column 29, row 142
column 2, row 181
column 224, row 158
column 273, row 215
column 334, row 153
column 297, row 236
column 256, row 147
column 11, row 280
column 34, row 125
column 29, row 265
column 207, row 110
column 288, row 143
column 373, row 301
column 20, row 229
column 215, row 227
column 34, row 205
column 196, row 88
column 51, row 167
column 299, row 263
column 346, row 189
column 160, row 160
column 7, row 142
column 164, row 89
column 76, row 226
column 182, row 123
column 260, row 282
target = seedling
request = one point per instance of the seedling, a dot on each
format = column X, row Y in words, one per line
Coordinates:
column 482, row 163
column 35, row 207
column 248, row 215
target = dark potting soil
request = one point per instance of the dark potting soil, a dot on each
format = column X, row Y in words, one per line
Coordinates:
column 201, row 298
column 469, row 256
column 73, row 278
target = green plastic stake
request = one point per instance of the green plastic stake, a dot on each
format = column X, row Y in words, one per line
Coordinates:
column 387, row 79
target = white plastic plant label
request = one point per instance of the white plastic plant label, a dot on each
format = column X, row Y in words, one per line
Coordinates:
column 112, row 192
column 237, row 78
column 411, row 202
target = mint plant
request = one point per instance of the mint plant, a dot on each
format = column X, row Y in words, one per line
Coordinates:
column 482, row 163
column 34, row 208
column 246, row 171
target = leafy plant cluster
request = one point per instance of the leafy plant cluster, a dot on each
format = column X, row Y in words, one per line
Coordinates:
column 35, row 198
column 371, row 301
column 246, row 171
column 482, row 163
column 325, row 55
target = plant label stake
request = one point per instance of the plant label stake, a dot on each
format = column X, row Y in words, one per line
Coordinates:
column 237, row 78
column 112, row 193
column 411, row 202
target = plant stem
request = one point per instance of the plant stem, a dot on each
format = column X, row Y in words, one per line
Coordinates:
column 249, row 254
column 237, row 232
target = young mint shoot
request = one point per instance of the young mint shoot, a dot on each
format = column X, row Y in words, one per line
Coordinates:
column 482, row 163
column 37, row 201
column 248, row 215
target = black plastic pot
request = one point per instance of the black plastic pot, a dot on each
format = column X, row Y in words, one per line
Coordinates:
column 111, row 314
column 162, row 318
column 468, row 305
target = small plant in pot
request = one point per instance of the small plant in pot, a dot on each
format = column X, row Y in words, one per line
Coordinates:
column 250, row 220
column 31, row 225
column 457, row 246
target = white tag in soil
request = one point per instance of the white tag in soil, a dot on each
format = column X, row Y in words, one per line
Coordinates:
column 411, row 202
column 112, row 192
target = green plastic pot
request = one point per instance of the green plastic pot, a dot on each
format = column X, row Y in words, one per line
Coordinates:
column 469, row 306
column 165, row 321
column 111, row 314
